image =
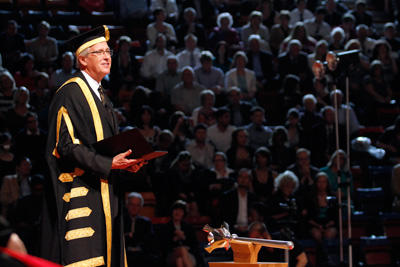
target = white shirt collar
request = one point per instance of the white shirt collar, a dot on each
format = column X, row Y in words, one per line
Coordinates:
column 93, row 84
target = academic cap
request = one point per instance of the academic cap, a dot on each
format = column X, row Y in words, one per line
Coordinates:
column 88, row 39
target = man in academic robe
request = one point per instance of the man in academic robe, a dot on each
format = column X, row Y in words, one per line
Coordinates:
column 82, row 222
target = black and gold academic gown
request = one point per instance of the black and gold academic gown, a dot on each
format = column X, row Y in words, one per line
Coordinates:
column 82, row 220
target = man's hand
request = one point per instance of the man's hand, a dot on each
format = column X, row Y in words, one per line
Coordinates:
column 121, row 162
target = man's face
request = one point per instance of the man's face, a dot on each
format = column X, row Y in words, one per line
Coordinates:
column 32, row 123
column 243, row 179
column 187, row 76
column 97, row 65
column 67, row 63
column 254, row 45
column 201, row 135
column 24, row 168
column 133, row 206
column 234, row 97
column 160, row 43
column 206, row 64
column 329, row 116
column 190, row 44
column 303, row 159
column 225, row 119
column 258, row 117
column 172, row 65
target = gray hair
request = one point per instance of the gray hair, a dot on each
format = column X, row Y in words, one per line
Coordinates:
column 309, row 97
column 285, row 178
column 136, row 195
column 223, row 16
column 84, row 53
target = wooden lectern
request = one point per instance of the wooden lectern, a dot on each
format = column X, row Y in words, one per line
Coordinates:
column 245, row 250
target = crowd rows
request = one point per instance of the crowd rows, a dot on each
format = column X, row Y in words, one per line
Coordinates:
column 247, row 119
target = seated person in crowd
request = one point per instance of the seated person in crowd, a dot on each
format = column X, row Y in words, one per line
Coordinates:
column 304, row 171
column 11, row 46
column 206, row 112
column 322, row 214
column 224, row 32
column 155, row 60
column 167, row 80
column 179, row 239
column 294, row 61
column 280, row 31
column 284, row 211
column 317, row 27
column 341, row 168
column 300, row 12
column 240, row 154
column 259, row 134
column 160, row 27
column 221, row 132
column 125, row 67
column 185, row 95
column 209, row 76
column 201, row 150
column 261, row 62
column 254, row 26
column 59, row 76
column 140, row 240
column 235, row 203
column 190, row 25
column 263, row 175
column 170, row 7
column 242, row 77
column 43, row 48
column 238, row 108
column 190, row 56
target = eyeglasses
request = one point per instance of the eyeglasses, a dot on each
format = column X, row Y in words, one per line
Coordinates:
column 102, row 52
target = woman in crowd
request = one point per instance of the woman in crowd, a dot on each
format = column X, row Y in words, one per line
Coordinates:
column 241, row 77
column 145, row 123
column 26, row 76
column 179, row 239
column 319, row 53
column 15, row 117
column 293, row 127
column 282, row 154
column 333, row 170
column 283, row 208
column 263, row 175
column 299, row 32
column 321, row 213
column 383, row 52
column 124, row 67
column 240, row 154
column 337, row 40
column 222, row 59
column 225, row 32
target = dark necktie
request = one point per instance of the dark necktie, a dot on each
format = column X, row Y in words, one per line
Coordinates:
column 301, row 16
column 102, row 97
column 192, row 62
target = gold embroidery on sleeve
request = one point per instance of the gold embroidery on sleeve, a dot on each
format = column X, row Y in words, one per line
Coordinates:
column 69, row 177
column 93, row 262
column 75, row 192
column 78, row 213
column 79, row 233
